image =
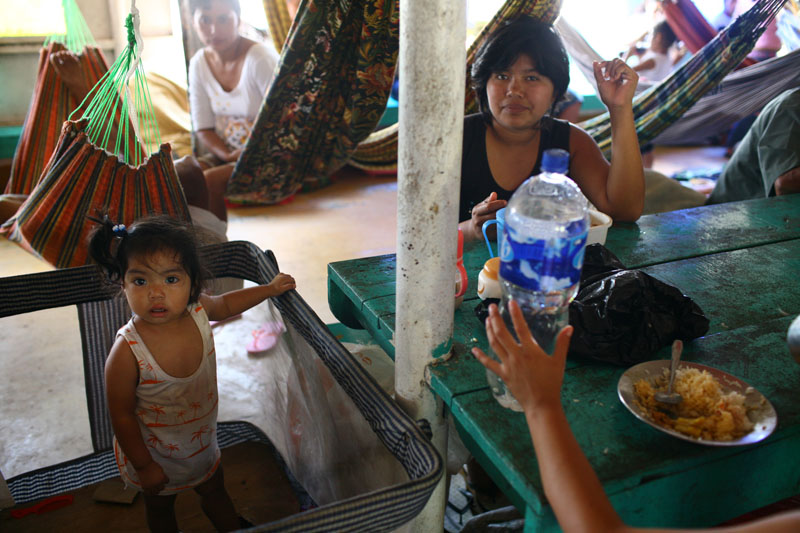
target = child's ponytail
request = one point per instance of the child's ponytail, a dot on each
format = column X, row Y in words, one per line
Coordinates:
column 104, row 243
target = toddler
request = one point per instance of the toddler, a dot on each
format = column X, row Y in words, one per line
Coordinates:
column 161, row 381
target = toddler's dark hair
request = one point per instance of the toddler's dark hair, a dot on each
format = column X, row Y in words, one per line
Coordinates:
column 524, row 35
column 112, row 245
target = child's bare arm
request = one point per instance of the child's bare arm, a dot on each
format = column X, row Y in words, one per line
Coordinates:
column 122, row 376
column 235, row 302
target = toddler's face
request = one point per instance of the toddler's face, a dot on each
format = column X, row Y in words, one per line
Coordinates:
column 157, row 287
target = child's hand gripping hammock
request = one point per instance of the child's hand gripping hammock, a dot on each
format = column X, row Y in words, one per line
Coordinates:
column 100, row 165
column 52, row 100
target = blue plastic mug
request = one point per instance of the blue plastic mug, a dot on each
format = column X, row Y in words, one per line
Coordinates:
column 500, row 220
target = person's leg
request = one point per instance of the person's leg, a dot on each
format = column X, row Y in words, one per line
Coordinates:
column 190, row 174
column 10, row 204
column 217, row 183
column 160, row 513
column 217, row 503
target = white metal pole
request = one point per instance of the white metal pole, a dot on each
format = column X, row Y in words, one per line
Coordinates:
column 431, row 116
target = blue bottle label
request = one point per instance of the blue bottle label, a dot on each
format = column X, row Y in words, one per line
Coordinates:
column 543, row 264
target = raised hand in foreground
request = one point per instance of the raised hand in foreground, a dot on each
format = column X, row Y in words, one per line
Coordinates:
column 570, row 483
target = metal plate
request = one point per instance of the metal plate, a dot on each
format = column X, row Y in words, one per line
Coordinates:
column 759, row 409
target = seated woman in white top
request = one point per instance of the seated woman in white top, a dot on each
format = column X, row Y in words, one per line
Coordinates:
column 228, row 79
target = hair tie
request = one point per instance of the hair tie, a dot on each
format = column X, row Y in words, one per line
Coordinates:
column 119, row 230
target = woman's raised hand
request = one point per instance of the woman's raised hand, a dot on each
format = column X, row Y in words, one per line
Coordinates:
column 616, row 82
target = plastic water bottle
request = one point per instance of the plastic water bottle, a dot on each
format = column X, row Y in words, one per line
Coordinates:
column 542, row 255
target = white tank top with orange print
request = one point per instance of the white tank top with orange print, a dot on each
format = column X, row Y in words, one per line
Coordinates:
column 177, row 416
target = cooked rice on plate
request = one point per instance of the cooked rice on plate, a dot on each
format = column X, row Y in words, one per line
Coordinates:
column 706, row 412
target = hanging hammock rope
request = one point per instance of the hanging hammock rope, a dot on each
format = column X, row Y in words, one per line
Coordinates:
column 77, row 33
column 122, row 99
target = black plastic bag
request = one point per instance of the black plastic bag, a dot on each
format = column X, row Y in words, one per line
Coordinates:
column 625, row 316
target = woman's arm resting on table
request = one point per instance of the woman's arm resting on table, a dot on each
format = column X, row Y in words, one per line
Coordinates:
column 570, row 483
column 616, row 189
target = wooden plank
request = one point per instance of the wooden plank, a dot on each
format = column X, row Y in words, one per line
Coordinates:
column 676, row 235
column 353, row 282
column 638, row 464
column 740, row 287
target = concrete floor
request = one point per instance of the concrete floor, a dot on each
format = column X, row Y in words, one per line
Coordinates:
column 44, row 415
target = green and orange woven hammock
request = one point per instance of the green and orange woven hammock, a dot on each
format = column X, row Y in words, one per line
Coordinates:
column 52, row 102
column 99, row 166
column 661, row 105
column 378, row 153
column 84, row 180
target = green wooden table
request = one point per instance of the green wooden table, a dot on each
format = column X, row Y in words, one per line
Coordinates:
column 740, row 262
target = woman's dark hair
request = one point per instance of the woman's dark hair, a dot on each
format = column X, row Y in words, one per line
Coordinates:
column 527, row 36
column 194, row 5
column 112, row 245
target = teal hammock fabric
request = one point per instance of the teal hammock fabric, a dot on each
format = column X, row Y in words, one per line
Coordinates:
column 334, row 78
column 661, row 105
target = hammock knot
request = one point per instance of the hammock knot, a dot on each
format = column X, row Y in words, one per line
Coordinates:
column 131, row 32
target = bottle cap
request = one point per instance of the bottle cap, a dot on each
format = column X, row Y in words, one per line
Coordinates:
column 492, row 267
column 555, row 160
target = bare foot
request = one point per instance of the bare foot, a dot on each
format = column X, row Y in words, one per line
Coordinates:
column 68, row 66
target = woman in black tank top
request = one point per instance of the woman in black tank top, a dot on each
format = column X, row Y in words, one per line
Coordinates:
column 518, row 75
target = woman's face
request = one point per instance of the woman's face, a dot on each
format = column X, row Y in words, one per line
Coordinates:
column 217, row 26
column 519, row 96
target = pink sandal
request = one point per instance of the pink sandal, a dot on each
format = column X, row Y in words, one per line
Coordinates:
column 265, row 337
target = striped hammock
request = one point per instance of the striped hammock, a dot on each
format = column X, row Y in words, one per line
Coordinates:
column 82, row 180
column 99, row 166
column 52, row 102
column 278, row 21
column 661, row 105
column 741, row 92
column 378, row 153
column 689, row 25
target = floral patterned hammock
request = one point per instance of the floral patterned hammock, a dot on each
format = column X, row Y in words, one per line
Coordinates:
column 334, row 78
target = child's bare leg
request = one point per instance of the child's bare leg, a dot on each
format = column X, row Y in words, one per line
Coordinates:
column 217, row 504
column 160, row 512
